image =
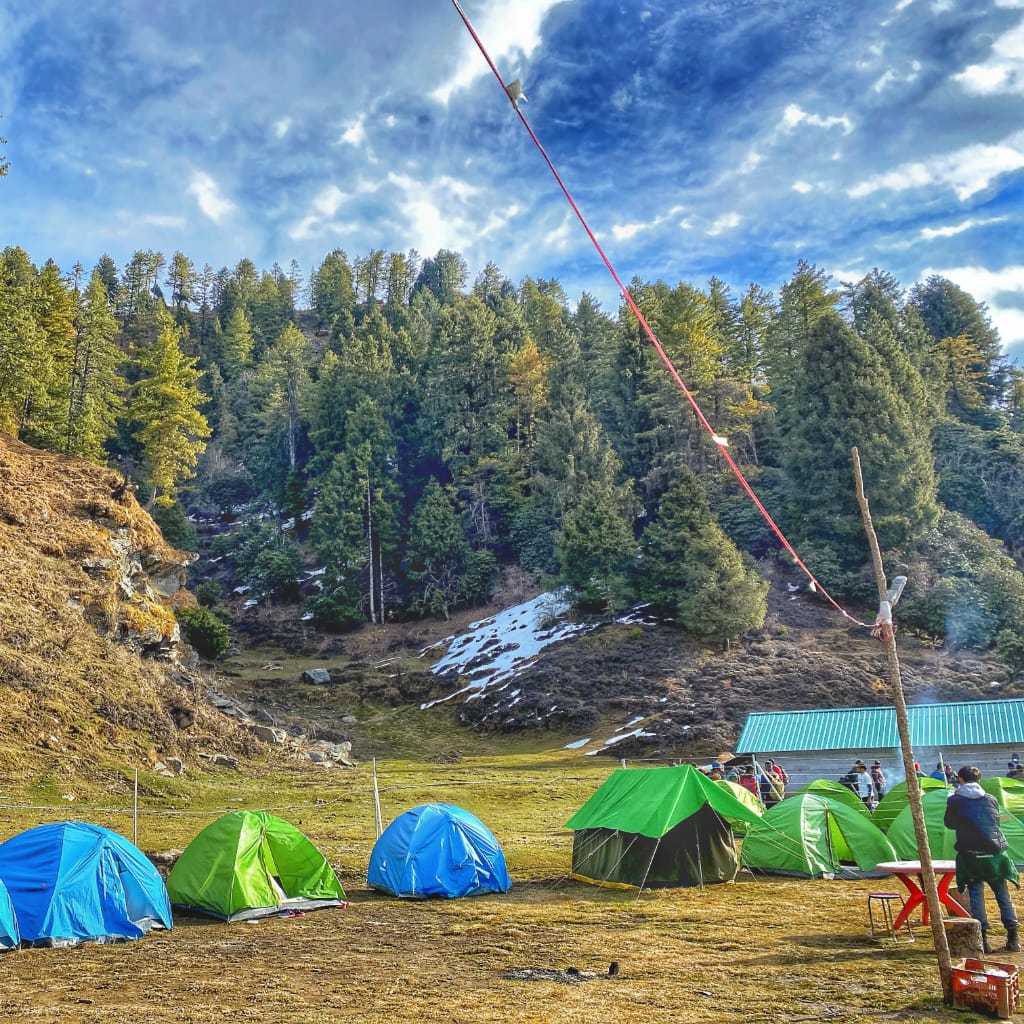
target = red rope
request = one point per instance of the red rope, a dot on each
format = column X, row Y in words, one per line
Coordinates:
column 651, row 336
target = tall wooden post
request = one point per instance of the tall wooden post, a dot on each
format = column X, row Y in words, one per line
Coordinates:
column 888, row 637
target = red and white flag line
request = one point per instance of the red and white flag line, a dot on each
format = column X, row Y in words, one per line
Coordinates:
column 720, row 442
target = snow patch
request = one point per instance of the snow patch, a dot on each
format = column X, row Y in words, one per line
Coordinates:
column 497, row 649
column 576, row 744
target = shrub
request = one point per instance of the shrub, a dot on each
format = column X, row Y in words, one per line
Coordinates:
column 204, row 631
column 275, row 569
column 479, row 579
column 1010, row 648
column 337, row 610
column 174, row 525
column 209, row 593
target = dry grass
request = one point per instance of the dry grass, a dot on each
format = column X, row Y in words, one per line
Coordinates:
column 754, row 951
column 72, row 697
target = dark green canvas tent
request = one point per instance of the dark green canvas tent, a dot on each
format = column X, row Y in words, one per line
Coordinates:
column 895, row 800
column 249, row 864
column 657, row 827
column 836, row 791
column 815, row 836
column 941, row 841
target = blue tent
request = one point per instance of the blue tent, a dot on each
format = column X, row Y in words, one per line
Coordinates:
column 73, row 882
column 438, row 850
column 9, row 937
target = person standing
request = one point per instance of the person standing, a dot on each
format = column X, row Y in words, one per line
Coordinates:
column 981, row 857
column 878, row 779
column 865, row 789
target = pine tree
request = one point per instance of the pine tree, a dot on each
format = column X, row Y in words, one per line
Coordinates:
column 45, row 420
column 844, row 396
column 595, row 546
column 236, row 345
column 24, row 363
column 690, row 570
column 171, row 429
column 95, row 398
column 332, row 294
column 285, row 375
column 438, row 551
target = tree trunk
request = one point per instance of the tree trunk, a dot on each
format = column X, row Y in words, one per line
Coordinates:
column 903, row 725
column 369, row 538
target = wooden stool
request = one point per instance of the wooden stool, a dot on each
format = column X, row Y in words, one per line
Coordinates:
column 885, row 928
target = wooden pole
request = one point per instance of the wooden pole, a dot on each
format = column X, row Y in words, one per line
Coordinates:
column 888, row 637
column 135, row 810
column 378, row 821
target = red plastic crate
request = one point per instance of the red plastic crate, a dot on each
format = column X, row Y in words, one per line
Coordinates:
column 986, row 986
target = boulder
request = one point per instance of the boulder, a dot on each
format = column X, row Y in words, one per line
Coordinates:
column 175, row 765
column 268, row 734
column 317, row 676
column 225, row 761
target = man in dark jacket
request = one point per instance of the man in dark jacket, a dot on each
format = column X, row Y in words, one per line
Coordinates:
column 981, row 855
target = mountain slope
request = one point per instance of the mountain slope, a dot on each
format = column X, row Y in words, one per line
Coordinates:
column 91, row 674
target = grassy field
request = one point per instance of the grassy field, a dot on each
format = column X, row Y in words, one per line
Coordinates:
column 752, row 951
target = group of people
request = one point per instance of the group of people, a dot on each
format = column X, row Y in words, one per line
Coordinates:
column 766, row 781
column 870, row 785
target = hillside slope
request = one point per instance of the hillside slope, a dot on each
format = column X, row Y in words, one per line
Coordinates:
column 91, row 673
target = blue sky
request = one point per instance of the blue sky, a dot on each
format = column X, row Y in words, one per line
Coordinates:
column 726, row 137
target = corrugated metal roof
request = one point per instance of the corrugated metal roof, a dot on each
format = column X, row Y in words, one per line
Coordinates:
column 966, row 723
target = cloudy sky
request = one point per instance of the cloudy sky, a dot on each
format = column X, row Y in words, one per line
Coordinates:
column 725, row 137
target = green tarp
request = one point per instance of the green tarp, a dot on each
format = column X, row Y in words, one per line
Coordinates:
column 250, row 864
column 652, row 801
column 836, row 791
column 745, row 797
column 941, row 841
column 649, row 827
column 895, row 800
column 812, row 835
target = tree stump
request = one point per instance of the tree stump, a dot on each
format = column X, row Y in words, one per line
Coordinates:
column 964, row 937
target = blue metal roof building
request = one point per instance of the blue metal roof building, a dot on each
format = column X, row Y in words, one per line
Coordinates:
column 985, row 723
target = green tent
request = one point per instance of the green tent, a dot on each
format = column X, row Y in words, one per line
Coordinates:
column 250, row 864
column 895, row 800
column 1009, row 793
column 745, row 797
column 815, row 836
column 941, row 840
column 657, row 827
column 836, row 791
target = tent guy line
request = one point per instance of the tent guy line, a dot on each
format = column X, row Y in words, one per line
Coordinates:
column 719, row 442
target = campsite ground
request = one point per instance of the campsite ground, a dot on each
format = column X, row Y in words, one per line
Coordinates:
column 752, row 951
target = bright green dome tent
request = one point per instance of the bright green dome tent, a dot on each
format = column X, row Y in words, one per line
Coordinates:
column 657, row 827
column 745, row 797
column 836, row 791
column 249, row 864
column 814, row 836
column 895, row 800
column 1009, row 793
column 941, row 840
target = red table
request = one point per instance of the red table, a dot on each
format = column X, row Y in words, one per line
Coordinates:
column 909, row 873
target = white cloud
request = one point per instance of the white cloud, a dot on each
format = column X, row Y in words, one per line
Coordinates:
column 949, row 230
column 890, row 77
column 324, row 206
column 213, row 203
column 966, row 171
column 1002, row 71
column 499, row 218
column 437, row 212
column 750, row 161
column 794, row 115
column 626, row 231
column 355, row 131
column 390, row 121
column 162, row 220
column 726, row 222
column 559, row 237
column 507, row 29
column 281, row 127
column 991, row 286
column 803, row 187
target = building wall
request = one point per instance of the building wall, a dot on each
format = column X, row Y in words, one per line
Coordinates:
column 805, row 766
